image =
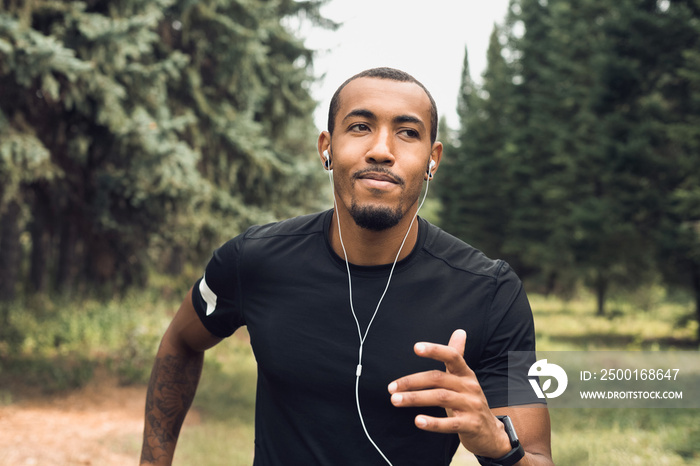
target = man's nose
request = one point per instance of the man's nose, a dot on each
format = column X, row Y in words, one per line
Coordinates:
column 381, row 151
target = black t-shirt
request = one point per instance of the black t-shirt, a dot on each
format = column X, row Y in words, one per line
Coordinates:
column 286, row 284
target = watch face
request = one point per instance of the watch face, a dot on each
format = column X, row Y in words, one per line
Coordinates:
column 514, row 455
column 510, row 430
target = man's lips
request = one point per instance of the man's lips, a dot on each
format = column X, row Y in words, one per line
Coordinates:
column 376, row 175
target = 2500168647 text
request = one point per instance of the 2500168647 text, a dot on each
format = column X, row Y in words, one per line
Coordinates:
column 631, row 374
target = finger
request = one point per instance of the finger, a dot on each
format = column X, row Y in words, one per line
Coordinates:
column 441, row 397
column 420, row 381
column 452, row 354
column 425, row 381
column 429, row 380
column 458, row 340
column 445, row 425
column 437, row 388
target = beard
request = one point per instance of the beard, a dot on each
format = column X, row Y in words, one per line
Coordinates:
column 375, row 218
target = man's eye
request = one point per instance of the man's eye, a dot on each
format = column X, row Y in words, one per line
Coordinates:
column 411, row 133
column 359, row 127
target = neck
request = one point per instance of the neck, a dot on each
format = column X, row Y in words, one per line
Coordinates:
column 367, row 247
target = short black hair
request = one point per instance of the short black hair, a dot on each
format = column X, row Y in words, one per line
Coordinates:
column 384, row 73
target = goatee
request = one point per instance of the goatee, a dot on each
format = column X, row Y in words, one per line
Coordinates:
column 375, row 218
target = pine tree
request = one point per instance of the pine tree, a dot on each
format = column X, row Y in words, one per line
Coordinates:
column 247, row 86
column 537, row 171
column 475, row 205
column 576, row 133
column 133, row 124
column 677, row 109
column 449, row 189
column 598, row 163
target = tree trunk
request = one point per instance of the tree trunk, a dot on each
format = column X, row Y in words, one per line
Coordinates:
column 695, row 275
column 38, row 258
column 176, row 262
column 67, row 262
column 10, row 252
column 39, row 230
column 551, row 283
column 601, row 288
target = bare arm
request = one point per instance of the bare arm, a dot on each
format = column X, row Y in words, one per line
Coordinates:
column 531, row 423
column 173, row 383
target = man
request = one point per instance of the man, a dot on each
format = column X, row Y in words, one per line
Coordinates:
column 357, row 316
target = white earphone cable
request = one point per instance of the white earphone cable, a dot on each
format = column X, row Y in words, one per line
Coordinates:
column 362, row 336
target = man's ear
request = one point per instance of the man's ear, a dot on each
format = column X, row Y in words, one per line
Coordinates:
column 324, row 144
column 435, row 156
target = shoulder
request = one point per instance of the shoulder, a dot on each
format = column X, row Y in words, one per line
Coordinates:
column 460, row 255
column 298, row 226
column 262, row 235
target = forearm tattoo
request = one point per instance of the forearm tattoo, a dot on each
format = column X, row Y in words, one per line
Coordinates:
column 170, row 393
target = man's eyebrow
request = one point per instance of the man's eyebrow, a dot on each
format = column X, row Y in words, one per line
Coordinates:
column 361, row 112
column 409, row 119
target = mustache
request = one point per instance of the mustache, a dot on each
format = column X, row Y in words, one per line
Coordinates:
column 378, row 170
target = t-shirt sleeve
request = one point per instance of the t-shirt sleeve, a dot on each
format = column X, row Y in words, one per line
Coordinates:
column 510, row 327
column 217, row 295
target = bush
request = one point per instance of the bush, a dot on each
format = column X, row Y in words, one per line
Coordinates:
column 56, row 344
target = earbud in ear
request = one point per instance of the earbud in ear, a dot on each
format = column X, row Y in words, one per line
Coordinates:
column 327, row 163
column 430, row 168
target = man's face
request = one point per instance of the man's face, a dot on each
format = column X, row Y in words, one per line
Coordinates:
column 381, row 149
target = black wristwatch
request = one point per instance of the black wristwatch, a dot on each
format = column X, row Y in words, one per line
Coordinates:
column 513, row 456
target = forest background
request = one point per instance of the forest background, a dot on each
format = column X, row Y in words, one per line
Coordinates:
column 138, row 135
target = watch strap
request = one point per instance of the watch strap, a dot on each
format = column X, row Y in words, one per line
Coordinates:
column 516, row 453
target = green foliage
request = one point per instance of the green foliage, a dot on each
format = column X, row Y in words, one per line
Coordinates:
column 141, row 126
column 643, row 436
column 57, row 344
column 474, row 203
column 41, row 376
column 578, row 154
column 649, row 320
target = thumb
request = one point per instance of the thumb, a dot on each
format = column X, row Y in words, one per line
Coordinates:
column 458, row 341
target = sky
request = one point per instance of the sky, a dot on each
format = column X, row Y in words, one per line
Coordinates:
column 424, row 38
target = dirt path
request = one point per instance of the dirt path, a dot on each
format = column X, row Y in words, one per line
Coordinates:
column 100, row 424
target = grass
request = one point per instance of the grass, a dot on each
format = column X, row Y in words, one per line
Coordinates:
column 573, row 326
column 626, row 436
column 615, row 437
column 50, row 346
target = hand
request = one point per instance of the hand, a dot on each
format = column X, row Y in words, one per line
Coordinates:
column 458, row 391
